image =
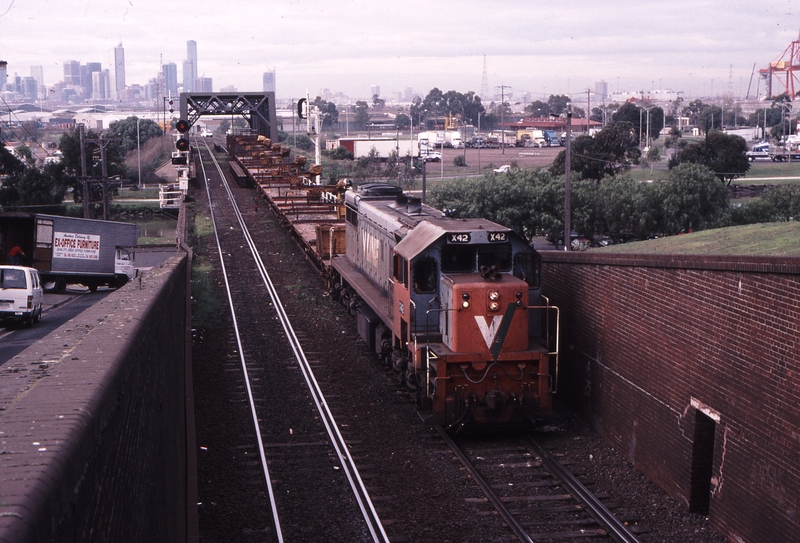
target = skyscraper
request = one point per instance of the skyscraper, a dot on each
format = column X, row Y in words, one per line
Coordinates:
column 37, row 72
column 170, row 72
column 86, row 77
column 3, row 74
column 119, row 71
column 72, row 73
column 190, row 67
column 269, row 81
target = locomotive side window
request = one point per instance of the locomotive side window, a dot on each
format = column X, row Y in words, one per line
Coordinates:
column 458, row 258
column 423, row 275
column 401, row 269
column 351, row 215
column 495, row 255
column 528, row 267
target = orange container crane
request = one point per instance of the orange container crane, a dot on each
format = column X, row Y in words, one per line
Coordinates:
column 784, row 69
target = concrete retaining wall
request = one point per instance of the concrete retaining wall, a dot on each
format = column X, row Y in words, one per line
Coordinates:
column 679, row 357
column 92, row 422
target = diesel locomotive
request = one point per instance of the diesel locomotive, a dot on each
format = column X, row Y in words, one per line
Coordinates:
column 454, row 305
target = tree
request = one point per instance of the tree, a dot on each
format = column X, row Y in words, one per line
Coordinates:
column 378, row 102
column 362, row 113
column 690, row 198
column 611, row 150
column 125, row 130
column 538, row 108
column 69, row 169
column 464, row 106
column 783, row 202
column 629, row 113
column 558, row 103
column 24, row 152
column 223, row 127
column 27, row 186
column 330, row 115
column 723, row 153
column 525, row 202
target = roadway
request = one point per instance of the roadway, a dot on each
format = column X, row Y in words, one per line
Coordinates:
column 58, row 309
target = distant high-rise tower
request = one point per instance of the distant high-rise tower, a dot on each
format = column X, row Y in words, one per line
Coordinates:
column 37, row 72
column 601, row 90
column 170, row 71
column 119, row 71
column 72, row 73
column 100, row 82
column 86, row 77
column 190, row 67
column 204, row 84
column 375, row 90
column 269, row 81
column 484, row 82
column 3, row 74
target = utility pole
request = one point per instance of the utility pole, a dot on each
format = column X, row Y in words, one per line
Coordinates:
column 502, row 116
column 567, row 172
column 102, row 144
column 84, row 180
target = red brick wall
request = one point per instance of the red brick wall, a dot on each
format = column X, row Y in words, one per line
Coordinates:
column 93, row 421
column 647, row 340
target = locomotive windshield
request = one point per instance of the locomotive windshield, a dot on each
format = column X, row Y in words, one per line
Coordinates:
column 468, row 258
column 498, row 255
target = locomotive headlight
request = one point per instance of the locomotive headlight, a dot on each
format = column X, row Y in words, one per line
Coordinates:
column 494, row 295
column 494, row 306
column 465, row 300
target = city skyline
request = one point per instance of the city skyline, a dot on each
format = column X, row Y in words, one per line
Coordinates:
column 544, row 49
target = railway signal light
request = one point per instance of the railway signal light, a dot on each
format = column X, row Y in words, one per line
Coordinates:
column 171, row 109
column 182, row 144
column 182, row 126
column 302, row 108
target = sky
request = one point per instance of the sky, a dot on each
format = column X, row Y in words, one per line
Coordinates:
column 543, row 47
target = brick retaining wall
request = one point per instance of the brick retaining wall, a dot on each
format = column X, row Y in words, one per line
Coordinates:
column 92, row 422
column 657, row 348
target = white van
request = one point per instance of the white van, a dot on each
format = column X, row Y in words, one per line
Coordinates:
column 20, row 294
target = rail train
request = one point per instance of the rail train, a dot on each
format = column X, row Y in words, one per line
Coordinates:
column 454, row 305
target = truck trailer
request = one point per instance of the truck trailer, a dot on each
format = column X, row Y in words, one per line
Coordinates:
column 67, row 250
column 383, row 147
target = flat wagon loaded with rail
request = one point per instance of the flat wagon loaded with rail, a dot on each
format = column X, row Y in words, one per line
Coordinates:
column 454, row 305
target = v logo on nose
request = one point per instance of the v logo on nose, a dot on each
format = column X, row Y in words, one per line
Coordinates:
column 488, row 330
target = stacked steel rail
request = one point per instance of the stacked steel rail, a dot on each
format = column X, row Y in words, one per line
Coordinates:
column 311, row 212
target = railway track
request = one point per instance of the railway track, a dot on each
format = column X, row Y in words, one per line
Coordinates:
column 536, row 496
column 310, row 478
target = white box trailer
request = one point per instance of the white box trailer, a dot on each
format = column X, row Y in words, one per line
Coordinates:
column 383, row 146
column 68, row 250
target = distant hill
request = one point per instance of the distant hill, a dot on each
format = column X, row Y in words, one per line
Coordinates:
column 775, row 239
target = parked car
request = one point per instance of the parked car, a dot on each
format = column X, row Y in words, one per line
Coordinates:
column 433, row 156
column 505, row 168
column 20, row 294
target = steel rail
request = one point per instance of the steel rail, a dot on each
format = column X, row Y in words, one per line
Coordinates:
column 509, row 519
column 617, row 530
column 340, row 446
column 261, row 453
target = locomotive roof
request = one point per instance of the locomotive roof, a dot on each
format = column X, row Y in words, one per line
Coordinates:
column 430, row 230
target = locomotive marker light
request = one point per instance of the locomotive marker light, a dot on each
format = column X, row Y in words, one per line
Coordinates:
column 465, row 303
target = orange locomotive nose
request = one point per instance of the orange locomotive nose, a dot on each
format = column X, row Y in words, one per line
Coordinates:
column 476, row 328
